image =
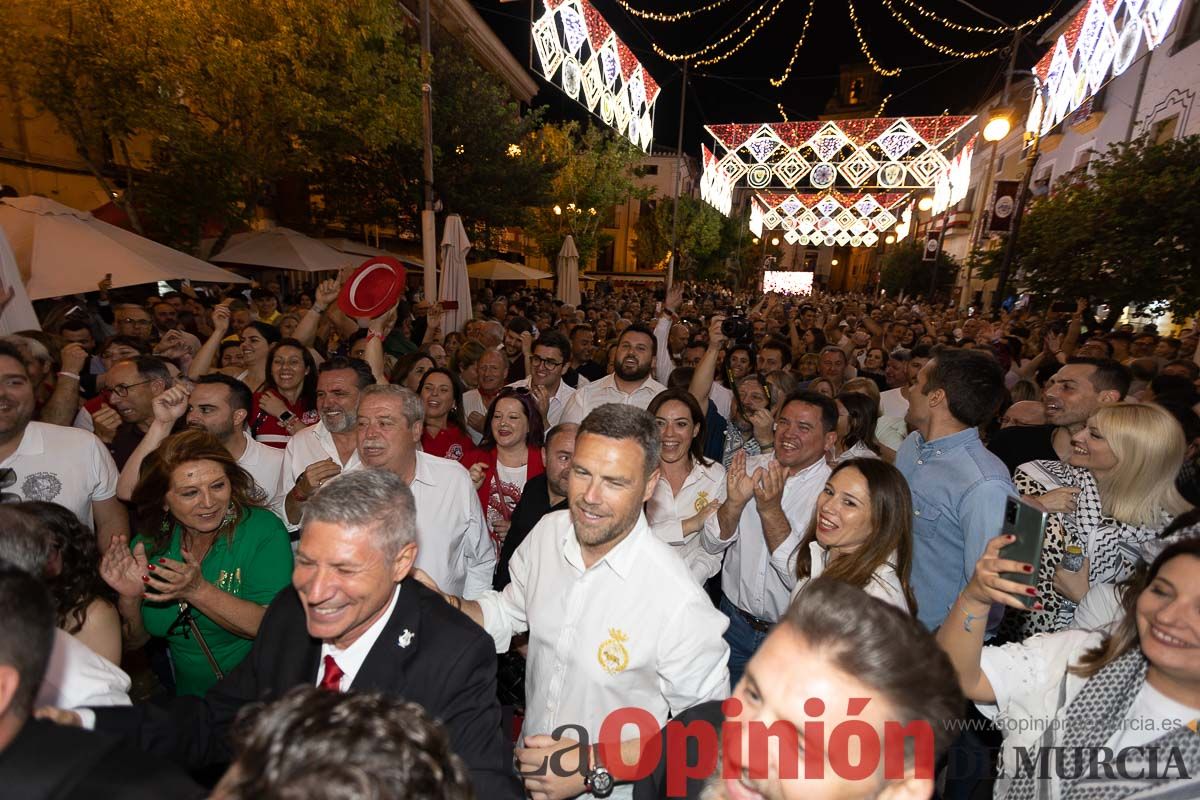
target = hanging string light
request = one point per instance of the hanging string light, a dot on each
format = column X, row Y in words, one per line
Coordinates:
column 754, row 32
column 882, row 106
column 925, row 12
column 752, row 18
column 657, row 17
column 782, row 113
column 941, row 48
column 777, row 82
column 862, row 45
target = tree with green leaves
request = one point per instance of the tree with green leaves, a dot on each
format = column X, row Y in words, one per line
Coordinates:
column 699, row 236
column 903, row 269
column 1127, row 231
column 599, row 170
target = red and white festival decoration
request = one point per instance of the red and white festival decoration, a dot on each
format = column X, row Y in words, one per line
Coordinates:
column 951, row 184
column 715, row 187
column 1101, row 40
column 787, row 282
column 578, row 51
column 828, row 218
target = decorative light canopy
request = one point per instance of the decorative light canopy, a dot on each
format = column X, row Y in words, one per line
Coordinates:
column 904, row 226
column 578, row 51
column 888, row 153
column 1102, row 39
column 716, row 188
column 827, row 218
column 952, row 183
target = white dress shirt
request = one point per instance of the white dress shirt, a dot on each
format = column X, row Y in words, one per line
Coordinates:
column 666, row 512
column 893, row 403
column 722, row 398
column 265, row 465
column 314, row 443
column 749, row 578
column 558, row 402
column 634, row 629
column 453, row 542
column 884, row 583
column 605, row 391
column 78, row 676
column 472, row 403
column 350, row 659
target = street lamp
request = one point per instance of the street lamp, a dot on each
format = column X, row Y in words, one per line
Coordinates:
column 999, row 124
column 925, row 203
column 833, row 262
column 775, row 241
column 558, row 210
column 889, row 239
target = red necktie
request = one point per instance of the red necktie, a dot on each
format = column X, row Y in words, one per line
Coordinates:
column 332, row 679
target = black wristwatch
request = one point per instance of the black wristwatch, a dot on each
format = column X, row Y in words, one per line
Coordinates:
column 597, row 780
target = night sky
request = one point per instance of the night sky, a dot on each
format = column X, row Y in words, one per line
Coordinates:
column 739, row 90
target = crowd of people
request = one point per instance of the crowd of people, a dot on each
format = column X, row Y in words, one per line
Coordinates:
column 251, row 547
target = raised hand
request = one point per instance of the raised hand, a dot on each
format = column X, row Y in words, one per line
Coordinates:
column 124, row 570
column 105, row 421
column 171, row 404
column 768, row 488
column 739, row 485
column 763, row 423
column 220, row 318
column 73, row 358
column 987, row 587
column 326, row 293
column 674, row 296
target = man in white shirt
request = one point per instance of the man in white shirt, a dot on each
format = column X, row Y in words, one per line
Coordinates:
column 551, row 354
column 220, row 405
column 329, row 448
column 615, row 619
column 769, row 505
column 67, row 466
column 454, row 544
column 492, row 370
column 629, row 385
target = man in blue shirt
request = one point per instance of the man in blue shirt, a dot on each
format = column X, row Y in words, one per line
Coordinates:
column 959, row 488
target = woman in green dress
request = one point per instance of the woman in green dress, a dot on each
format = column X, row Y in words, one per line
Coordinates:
column 207, row 561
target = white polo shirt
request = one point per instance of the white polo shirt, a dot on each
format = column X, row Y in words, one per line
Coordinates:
column 633, row 630
column 666, row 513
column 62, row 465
column 453, row 542
column 558, row 403
column 604, row 391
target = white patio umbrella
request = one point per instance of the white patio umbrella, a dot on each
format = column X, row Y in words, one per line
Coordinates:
column 495, row 269
column 283, row 248
column 568, row 272
column 18, row 314
column 61, row 250
column 454, row 286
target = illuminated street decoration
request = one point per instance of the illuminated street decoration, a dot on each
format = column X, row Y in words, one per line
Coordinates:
column 578, row 51
column 951, row 183
column 828, row 218
column 1103, row 38
column 787, row 282
column 716, row 188
column 904, row 226
column 889, row 153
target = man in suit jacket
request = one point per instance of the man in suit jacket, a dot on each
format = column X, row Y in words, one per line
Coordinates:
column 38, row 759
column 352, row 619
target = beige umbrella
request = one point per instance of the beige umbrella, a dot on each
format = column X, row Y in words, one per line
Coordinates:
column 496, row 270
column 283, row 248
column 454, row 286
column 62, row 250
column 568, row 272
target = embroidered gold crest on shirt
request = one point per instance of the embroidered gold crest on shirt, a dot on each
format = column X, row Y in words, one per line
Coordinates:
column 612, row 655
column 701, row 501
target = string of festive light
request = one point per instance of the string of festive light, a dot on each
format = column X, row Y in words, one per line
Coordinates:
column 862, row 45
column 941, row 48
column 882, row 106
column 719, row 42
column 658, row 17
column 925, row 12
column 782, row 113
column 704, row 62
column 777, row 82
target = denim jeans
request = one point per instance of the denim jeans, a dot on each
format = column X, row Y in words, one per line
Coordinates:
column 742, row 639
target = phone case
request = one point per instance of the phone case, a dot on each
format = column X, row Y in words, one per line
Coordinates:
column 1028, row 524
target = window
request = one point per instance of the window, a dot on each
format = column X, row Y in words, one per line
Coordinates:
column 1083, row 155
column 650, row 169
column 1163, row 130
column 1189, row 31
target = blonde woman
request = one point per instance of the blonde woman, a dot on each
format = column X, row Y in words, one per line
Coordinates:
column 1115, row 492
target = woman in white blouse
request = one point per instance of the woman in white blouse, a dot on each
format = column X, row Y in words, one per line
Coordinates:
column 861, row 533
column 690, row 487
column 1069, row 700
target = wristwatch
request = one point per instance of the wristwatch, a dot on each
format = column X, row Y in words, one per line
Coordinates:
column 286, row 417
column 597, row 780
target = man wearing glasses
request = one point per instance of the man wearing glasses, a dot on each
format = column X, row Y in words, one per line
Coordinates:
column 551, row 355
column 123, row 420
column 133, row 320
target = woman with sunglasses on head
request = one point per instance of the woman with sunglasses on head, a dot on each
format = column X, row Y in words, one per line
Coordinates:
column 690, row 487
column 1065, row 699
column 287, row 402
column 509, row 454
column 206, row 562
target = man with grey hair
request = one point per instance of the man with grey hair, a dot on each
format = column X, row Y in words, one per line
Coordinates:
column 455, row 547
column 615, row 618
column 353, row 619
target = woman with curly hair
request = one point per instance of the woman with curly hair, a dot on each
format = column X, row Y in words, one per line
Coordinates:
column 86, row 606
column 206, row 562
